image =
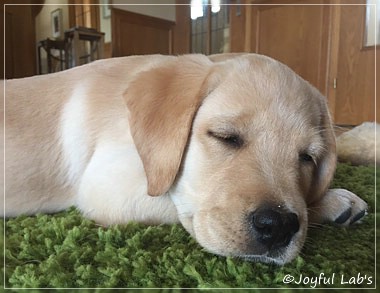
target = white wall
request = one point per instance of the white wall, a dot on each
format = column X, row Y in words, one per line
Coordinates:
column 372, row 20
column 105, row 24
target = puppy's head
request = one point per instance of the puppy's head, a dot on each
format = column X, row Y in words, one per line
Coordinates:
column 242, row 146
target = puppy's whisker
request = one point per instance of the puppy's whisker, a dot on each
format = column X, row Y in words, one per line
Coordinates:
column 315, row 226
column 185, row 214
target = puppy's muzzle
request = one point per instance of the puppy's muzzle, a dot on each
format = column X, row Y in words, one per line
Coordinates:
column 273, row 228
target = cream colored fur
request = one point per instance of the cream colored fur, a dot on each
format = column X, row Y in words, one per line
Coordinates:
column 141, row 138
column 359, row 145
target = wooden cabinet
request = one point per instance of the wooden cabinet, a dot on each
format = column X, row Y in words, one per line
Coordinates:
column 321, row 42
column 135, row 34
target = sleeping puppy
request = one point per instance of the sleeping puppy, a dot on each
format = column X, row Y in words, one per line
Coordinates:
column 238, row 148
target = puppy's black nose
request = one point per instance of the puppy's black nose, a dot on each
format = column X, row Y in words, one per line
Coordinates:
column 274, row 228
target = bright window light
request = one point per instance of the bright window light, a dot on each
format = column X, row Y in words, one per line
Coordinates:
column 215, row 6
column 196, row 9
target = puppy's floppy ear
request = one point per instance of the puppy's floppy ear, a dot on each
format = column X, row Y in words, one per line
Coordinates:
column 327, row 164
column 162, row 103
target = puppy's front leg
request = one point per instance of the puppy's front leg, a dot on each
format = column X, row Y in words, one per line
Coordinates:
column 338, row 206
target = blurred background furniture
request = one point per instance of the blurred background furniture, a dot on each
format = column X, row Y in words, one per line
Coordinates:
column 55, row 55
column 81, row 45
column 84, row 45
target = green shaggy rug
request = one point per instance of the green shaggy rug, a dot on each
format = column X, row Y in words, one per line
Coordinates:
column 67, row 251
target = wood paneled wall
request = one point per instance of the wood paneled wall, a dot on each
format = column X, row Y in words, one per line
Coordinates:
column 294, row 35
column 353, row 66
column 136, row 34
column 239, row 29
column 182, row 30
column 20, row 44
column 323, row 43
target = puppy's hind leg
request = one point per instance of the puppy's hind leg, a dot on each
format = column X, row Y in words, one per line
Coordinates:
column 338, row 206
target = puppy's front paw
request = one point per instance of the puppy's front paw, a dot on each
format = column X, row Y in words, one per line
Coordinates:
column 355, row 207
column 341, row 207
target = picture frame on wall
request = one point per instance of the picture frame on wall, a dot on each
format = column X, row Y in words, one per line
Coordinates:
column 56, row 23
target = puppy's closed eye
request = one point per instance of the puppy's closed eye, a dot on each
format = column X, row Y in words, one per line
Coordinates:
column 232, row 140
column 306, row 158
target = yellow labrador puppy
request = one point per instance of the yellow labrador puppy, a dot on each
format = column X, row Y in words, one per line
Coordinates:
column 238, row 148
